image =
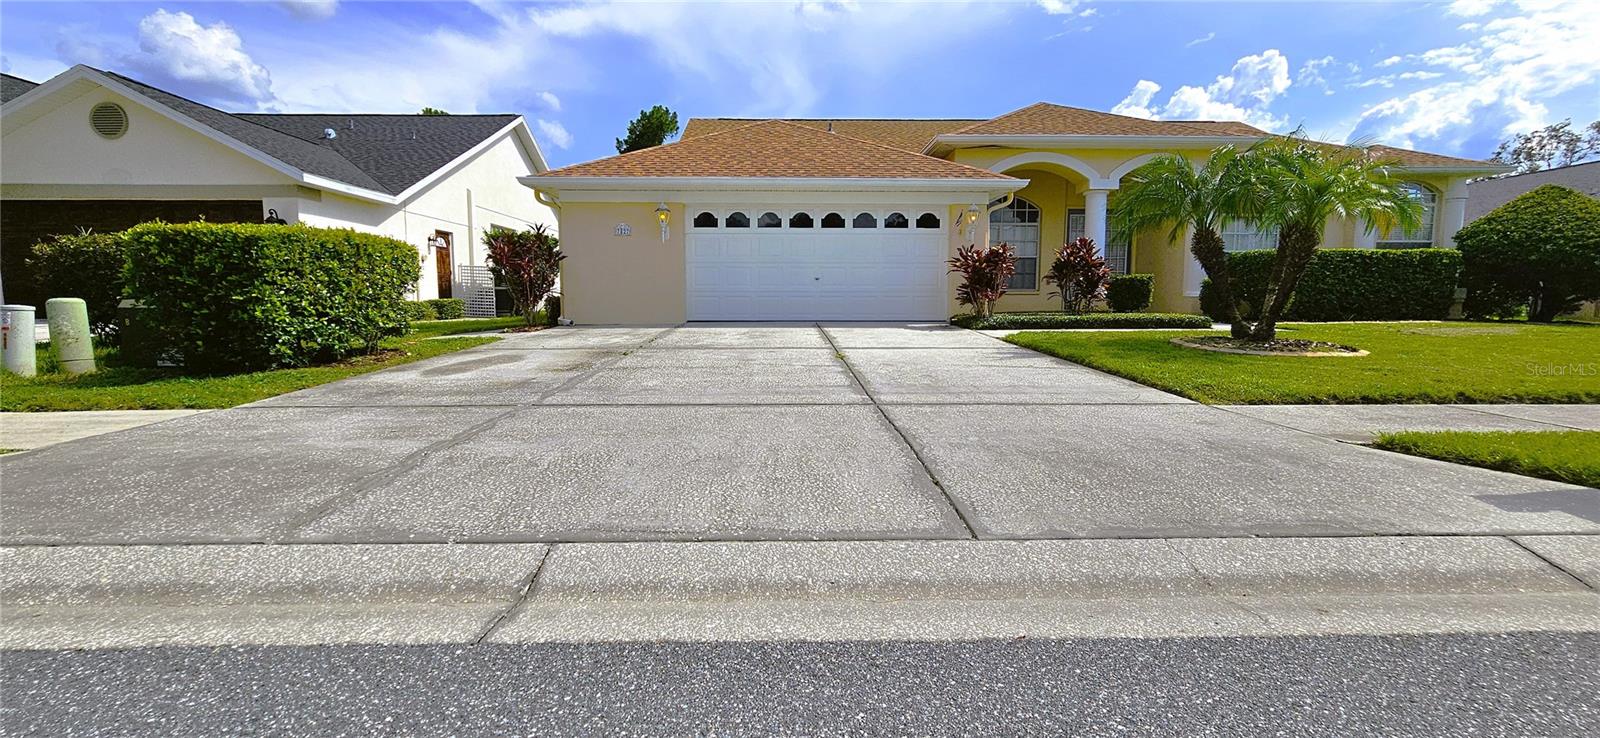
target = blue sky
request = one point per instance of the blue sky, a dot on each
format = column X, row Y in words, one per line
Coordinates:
column 1454, row 76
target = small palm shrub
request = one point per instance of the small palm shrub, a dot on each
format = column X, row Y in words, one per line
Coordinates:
column 1130, row 293
column 1079, row 274
column 527, row 263
column 984, row 273
column 1540, row 251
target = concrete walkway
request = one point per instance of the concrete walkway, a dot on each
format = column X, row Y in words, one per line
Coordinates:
column 1360, row 423
column 37, row 430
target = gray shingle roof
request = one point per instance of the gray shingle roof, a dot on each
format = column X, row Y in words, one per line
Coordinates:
column 12, row 87
column 385, row 153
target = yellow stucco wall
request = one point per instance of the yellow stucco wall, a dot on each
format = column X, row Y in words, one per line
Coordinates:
column 631, row 280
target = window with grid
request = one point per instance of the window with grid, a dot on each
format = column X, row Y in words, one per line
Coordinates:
column 1017, row 224
column 1420, row 237
column 1239, row 235
column 1118, row 252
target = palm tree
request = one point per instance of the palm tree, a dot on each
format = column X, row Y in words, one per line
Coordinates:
column 1297, row 185
column 1170, row 192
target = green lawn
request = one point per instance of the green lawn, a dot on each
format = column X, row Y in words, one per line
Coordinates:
column 1454, row 362
column 1564, row 456
column 131, row 388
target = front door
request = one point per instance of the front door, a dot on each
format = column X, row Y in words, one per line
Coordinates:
column 441, row 261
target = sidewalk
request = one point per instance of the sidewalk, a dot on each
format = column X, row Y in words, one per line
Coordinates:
column 36, row 430
column 71, row 597
column 1361, row 423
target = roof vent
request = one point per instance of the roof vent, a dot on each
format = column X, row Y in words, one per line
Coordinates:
column 329, row 133
column 109, row 120
column 830, row 126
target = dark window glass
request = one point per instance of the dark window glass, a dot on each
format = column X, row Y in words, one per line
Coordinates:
column 705, row 220
column 927, row 220
column 896, row 220
column 833, row 220
column 769, row 220
column 801, row 220
column 737, row 220
column 864, row 220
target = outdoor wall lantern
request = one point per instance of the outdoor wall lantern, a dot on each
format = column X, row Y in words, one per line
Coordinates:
column 971, row 218
column 434, row 243
column 663, row 216
column 273, row 219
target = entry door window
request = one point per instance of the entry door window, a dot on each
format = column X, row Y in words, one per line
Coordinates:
column 1116, row 252
column 1017, row 224
column 442, row 240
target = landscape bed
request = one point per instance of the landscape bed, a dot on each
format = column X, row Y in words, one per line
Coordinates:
column 117, row 387
column 1562, row 456
column 1409, row 362
column 1040, row 320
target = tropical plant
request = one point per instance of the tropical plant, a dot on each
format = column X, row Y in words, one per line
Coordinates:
column 651, row 128
column 1296, row 185
column 984, row 273
column 1079, row 274
column 1540, row 251
column 527, row 262
column 1170, row 192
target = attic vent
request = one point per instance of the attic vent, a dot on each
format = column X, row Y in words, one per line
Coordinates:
column 109, row 120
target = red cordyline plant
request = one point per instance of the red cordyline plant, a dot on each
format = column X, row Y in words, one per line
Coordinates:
column 1079, row 274
column 984, row 273
column 528, row 262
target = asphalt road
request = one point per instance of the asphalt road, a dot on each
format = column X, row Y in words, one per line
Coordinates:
column 1516, row 684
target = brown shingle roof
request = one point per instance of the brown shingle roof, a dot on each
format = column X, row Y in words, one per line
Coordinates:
column 1410, row 158
column 1223, row 127
column 775, row 148
column 1047, row 119
column 910, row 134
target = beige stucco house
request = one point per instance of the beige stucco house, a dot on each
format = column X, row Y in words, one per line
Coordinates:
column 853, row 219
column 94, row 149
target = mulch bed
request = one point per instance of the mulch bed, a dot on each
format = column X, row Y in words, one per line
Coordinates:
column 525, row 329
column 1278, row 347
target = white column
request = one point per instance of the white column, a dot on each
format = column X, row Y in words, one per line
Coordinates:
column 1094, row 217
column 1453, row 215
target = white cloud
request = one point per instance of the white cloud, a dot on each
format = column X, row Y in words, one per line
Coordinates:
column 1059, row 7
column 1311, row 74
column 555, row 133
column 174, row 47
column 1497, row 83
column 1471, row 8
column 1391, row 61
column 1201, row 40
column 550, row 100
column 310, row 9
column 1243, row 94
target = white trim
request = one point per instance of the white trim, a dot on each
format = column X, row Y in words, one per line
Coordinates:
column 1057, row 141
column 1132, row 164
column 518, row 126
column 1063, row 160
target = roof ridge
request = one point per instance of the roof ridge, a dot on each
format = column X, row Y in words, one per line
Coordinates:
column 875, row 144
column 1045, row 103
column 658, row 147
column 387, row 115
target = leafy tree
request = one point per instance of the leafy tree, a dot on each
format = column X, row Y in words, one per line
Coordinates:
column 433, row 111
column 1555, row 145
column 1079, row 274
column 1297, row 185
column 1540, row 251
column 652, row 128
column 528, row 262
column 1170, row 192
column 984, row 273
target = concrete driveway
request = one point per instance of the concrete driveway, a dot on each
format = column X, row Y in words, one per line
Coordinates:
column 741, row 432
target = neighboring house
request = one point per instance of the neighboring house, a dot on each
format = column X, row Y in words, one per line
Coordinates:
column 854, row 219
column 1487, row 194
column 94, row 149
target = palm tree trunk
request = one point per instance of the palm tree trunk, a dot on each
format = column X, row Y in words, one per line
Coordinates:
column 1296, row 245
column 1208, row 249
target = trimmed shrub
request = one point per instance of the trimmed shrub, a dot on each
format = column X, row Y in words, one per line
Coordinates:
column 448, row 308
column 1130, row 293
column 228, row 297
column 1540, row 251
column 1350, row 284
column 420, row 310
column 552, row 309
column 1015, row 321
column 87, row 266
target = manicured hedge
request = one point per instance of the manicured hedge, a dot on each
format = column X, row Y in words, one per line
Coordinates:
column 1540, row 251
column 1351, row 284
column 87, row 266
column 1130, row 293
column 449, row 308
column 1017, row 321
column 420, row 310
column 226, row 297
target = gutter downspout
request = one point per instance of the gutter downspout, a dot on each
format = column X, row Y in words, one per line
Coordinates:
column 554, row 203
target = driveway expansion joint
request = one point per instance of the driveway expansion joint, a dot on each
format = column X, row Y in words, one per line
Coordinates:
column 1551, row 563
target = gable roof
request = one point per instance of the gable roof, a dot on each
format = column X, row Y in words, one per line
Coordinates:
column 381, row 155
column 11, row 87
column 776, row 149
column 1049, row 119
column 1425, row 160
column 909, row 134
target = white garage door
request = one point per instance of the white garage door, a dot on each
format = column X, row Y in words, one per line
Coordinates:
column 816, row 264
